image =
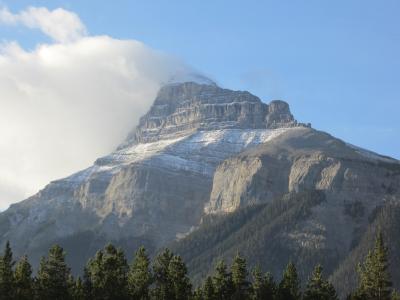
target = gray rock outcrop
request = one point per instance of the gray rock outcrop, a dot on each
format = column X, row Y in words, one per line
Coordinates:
column 303, row 159
column 153, row 188
column 180, row 109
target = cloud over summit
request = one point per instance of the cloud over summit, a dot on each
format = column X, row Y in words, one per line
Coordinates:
column 66, row 103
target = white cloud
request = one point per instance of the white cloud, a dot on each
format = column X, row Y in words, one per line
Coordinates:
column 63, row 105
column 59, row 24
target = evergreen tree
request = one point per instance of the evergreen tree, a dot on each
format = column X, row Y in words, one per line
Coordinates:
column 382, row 278
column 222, row 282
column 208, row 292
column 71, row 285
column 37, row 286
column 7, row 274
column 23, row 280
column 395, row 295
column 318, row 288
column 263, row 287
column 289, row 287
column 139, row 276
column 78, row 291
column 197, row 294
column 374, row 277
column 180, row 282
column 87, row 284
column 163, row 289
column 53, row 276
column 107, row 274
column 239, row 278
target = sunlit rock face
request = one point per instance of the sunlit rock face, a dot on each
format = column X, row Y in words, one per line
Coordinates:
column 154, row 187
column 180, row 109
column 303, row 159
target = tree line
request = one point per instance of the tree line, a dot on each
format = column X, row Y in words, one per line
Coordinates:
column 108, row 276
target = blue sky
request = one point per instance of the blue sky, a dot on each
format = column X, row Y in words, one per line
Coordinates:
column 336, row 62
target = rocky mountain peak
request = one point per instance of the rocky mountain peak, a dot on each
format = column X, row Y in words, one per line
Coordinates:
column 279, row 114
column 202, row 152
column 181, row 108
column 278, row 106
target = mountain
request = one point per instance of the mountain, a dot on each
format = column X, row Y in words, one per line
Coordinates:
column 209, row 171
column 305, row 197
column 153, row 188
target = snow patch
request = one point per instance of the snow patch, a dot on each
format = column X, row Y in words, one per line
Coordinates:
column 199, row 152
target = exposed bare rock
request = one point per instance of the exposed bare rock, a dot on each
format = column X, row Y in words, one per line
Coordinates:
column 279, row 115
column 180, row 109
column 153, row 188
column 303, row 159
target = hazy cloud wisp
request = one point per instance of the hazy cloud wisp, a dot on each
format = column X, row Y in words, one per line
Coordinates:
column 67, row 103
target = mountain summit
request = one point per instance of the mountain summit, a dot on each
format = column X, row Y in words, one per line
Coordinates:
column 203, row 152
column 154, row 187
column 181, row 109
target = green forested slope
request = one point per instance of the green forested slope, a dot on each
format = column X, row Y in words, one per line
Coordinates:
column 260, row 233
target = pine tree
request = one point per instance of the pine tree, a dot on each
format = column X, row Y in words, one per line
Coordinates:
column 139, row 276
column 181, row 286
column 93, row 276
column 263, row 287
column 78, row 292
column 163, row 289
column 53, row 276
column 382, row 278
column 37, row 282
column 7, row 274
column 71, row 285
column 365, row 272
column 87, row 283
column 374, row 277
column 23, row 280
column 395, row 295
column 208, row 291
column 318, row 288
column 222, row 282
column 239, row 278
column 197, row 294
column 289, row 287
column 107, row 274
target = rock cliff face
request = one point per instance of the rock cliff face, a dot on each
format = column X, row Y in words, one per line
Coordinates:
column 153, row 188
column 203, row 151
column 303, row 159
column 181, row 109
